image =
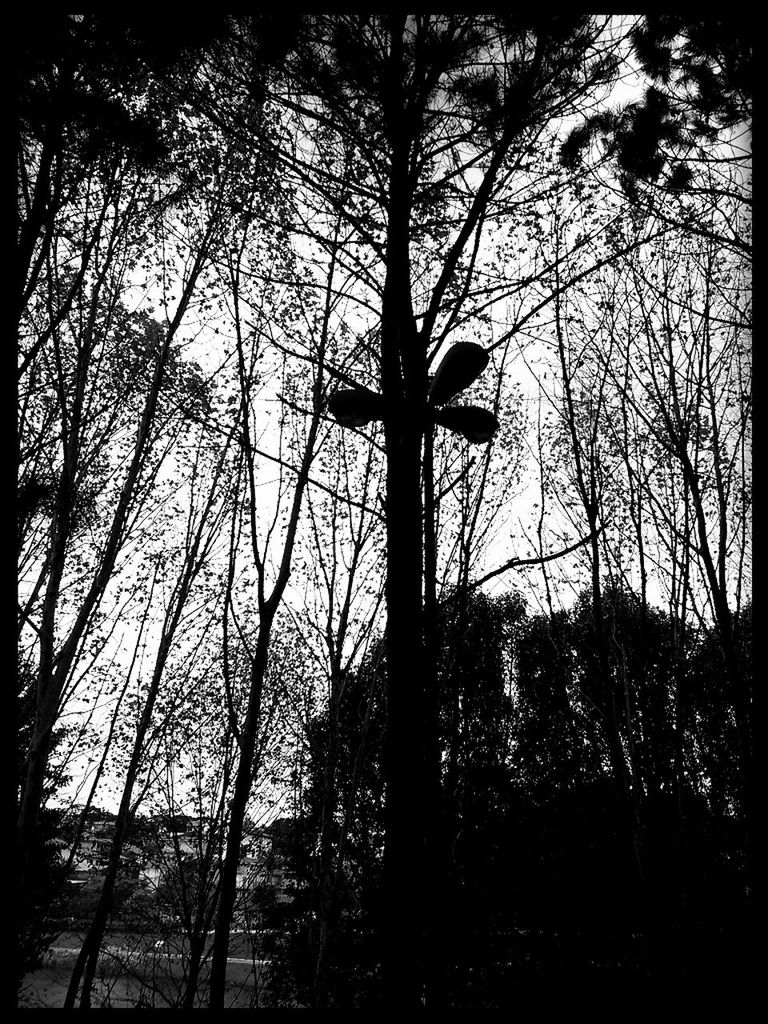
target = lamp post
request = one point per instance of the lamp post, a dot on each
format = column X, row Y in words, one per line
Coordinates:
column 355, row 407
column 460, row 366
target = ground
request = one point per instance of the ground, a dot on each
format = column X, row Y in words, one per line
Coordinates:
column 126, row 972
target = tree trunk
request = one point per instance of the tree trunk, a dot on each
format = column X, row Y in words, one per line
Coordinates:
column 243, row 780
column 196, row 949
column 404, row 846
column 326, row 869
column 435, row 848
column 404, row 387
column 626, row 793
column 88, row 957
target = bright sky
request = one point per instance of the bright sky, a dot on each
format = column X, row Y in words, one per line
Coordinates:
column 209, row 343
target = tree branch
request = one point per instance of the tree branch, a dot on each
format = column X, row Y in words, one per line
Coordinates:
column 513, row 563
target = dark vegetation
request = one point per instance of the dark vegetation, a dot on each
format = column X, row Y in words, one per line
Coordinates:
column 545, row 887
column 325, row 322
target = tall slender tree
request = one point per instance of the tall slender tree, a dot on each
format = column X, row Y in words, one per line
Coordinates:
column 441, row 112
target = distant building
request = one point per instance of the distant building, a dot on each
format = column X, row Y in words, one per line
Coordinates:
column 157, row 851
column 265, row 862
column 162, row 855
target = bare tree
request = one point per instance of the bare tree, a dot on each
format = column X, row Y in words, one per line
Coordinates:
column 345, row 560
column 57, row 655
column 292, row 487
column 691, row 388
column 201, row 532
column 397, row 89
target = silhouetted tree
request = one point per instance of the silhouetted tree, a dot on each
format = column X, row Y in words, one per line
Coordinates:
column 541, row 876
column 42, row 902
column 688, row 138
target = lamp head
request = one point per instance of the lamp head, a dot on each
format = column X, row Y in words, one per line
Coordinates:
column 354, row 407
column 476, row 424
column 460, row 366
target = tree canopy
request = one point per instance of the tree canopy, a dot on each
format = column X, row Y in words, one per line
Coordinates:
column 384, row 471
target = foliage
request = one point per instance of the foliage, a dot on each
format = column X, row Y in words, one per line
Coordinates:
column 541, row 870
column 226, row 227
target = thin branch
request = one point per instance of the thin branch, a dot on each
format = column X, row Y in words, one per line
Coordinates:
column 513, row 563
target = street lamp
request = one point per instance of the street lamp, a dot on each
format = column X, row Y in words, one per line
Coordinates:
column 460, row 366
